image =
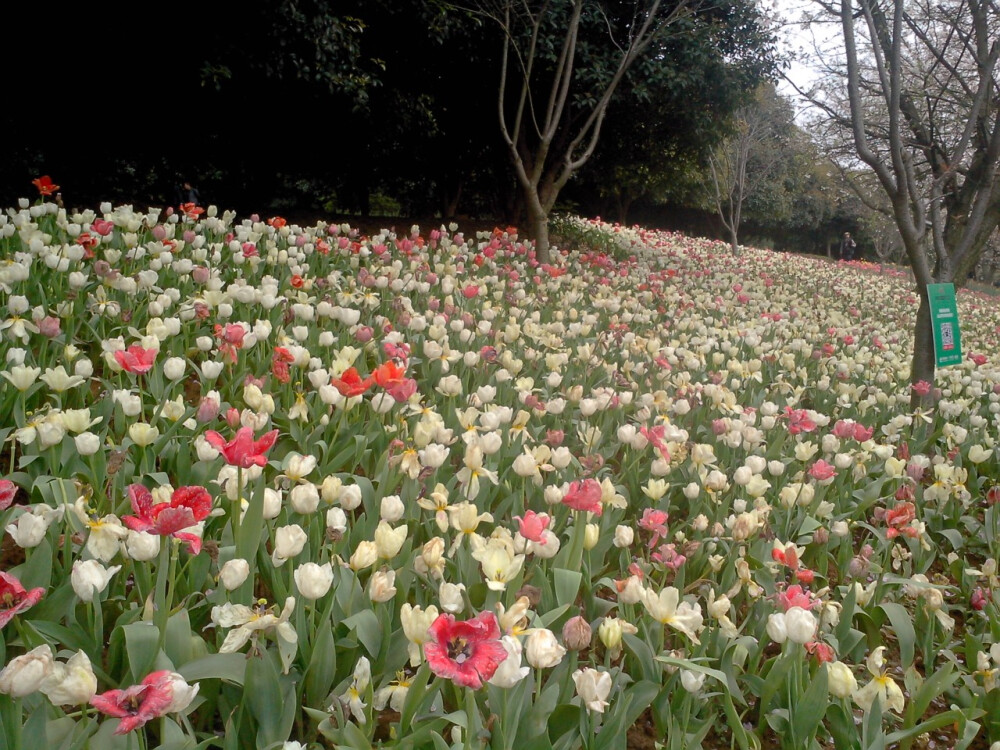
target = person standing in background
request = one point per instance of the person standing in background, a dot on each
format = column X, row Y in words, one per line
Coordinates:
column 186, row 193
column 847, row 247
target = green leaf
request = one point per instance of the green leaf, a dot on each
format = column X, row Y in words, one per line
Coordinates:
column 37, row 571
column 106, row 739
column 937, row 684
column 903, row 627
column 643, row 694
column 807, row 713
column 142, row 643
column 368, row 630
column 809, row 525
column 937, row 721
column 564, row 719
column 35, row 725
column 954, row 537
column 178, row 641
column 57, row 633
column 613, row 731
column 694, row 666
column 842, row 728
column 173, row 737
column 73, row 735
column 552, row 615
column 354, row 738
column 228, row 667
column 415, row 696
column 54, row 606
column 322, row 666
column 263, row 696
column 250, row 526
column 533, row 726
column 774, row 680
column 418, row 740
column 642, row 652
column 874, row 736
column 969, row 733
column 567, row 585
column 744, row 739
column 849, row 604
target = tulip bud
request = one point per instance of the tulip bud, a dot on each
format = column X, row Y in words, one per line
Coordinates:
column 336, row 520
column 350, row 497
column 174, row 368
column 800, row 624
column 776, row 629
column 73, row 683
column 532, row 593
column 313, row 580
column 183, row 694
column 388, row 540
column 89, row 578
column 234, row 573
column 272, row 503
column 624, row 536
column 577, row 633
column 365, row 555
column 87, row 443
column 451, row 598
column 692, row 681
column 610, row 633
column 141, row 546
column 289, row 541
column 432, row 554
column 331, row 488
column 381, row 588
column 593, row 686
column 25, row 674
column 543, row 650
column 840, row 680
column 391, row 508
column 304, row 498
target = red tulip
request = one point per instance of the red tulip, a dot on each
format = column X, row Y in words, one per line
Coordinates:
column 243, row 450
column 468, row 652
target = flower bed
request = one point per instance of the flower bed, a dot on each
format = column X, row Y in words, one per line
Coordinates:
column 279, row 484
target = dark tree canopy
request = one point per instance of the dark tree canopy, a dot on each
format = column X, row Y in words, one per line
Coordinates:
column 362, row 106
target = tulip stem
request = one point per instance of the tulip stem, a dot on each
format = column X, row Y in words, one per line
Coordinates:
column 237, row 507
column 471, row 710
column 165, row 586
column 67, row 535
column 574, row 559
column 98, row 628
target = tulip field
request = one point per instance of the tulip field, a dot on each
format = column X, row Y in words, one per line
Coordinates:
column 277, row 486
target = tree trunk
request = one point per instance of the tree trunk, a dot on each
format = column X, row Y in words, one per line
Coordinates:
column 624, row 204
column 734, row 240
column 538, row 227
column 538, row 223
column 450, row 200
column 922, row 365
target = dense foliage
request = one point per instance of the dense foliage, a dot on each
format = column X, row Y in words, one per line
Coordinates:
column 369, row 108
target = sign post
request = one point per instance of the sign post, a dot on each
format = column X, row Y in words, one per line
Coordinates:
column 944, row 323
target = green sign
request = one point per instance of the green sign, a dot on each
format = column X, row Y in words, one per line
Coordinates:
column 944, row 323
